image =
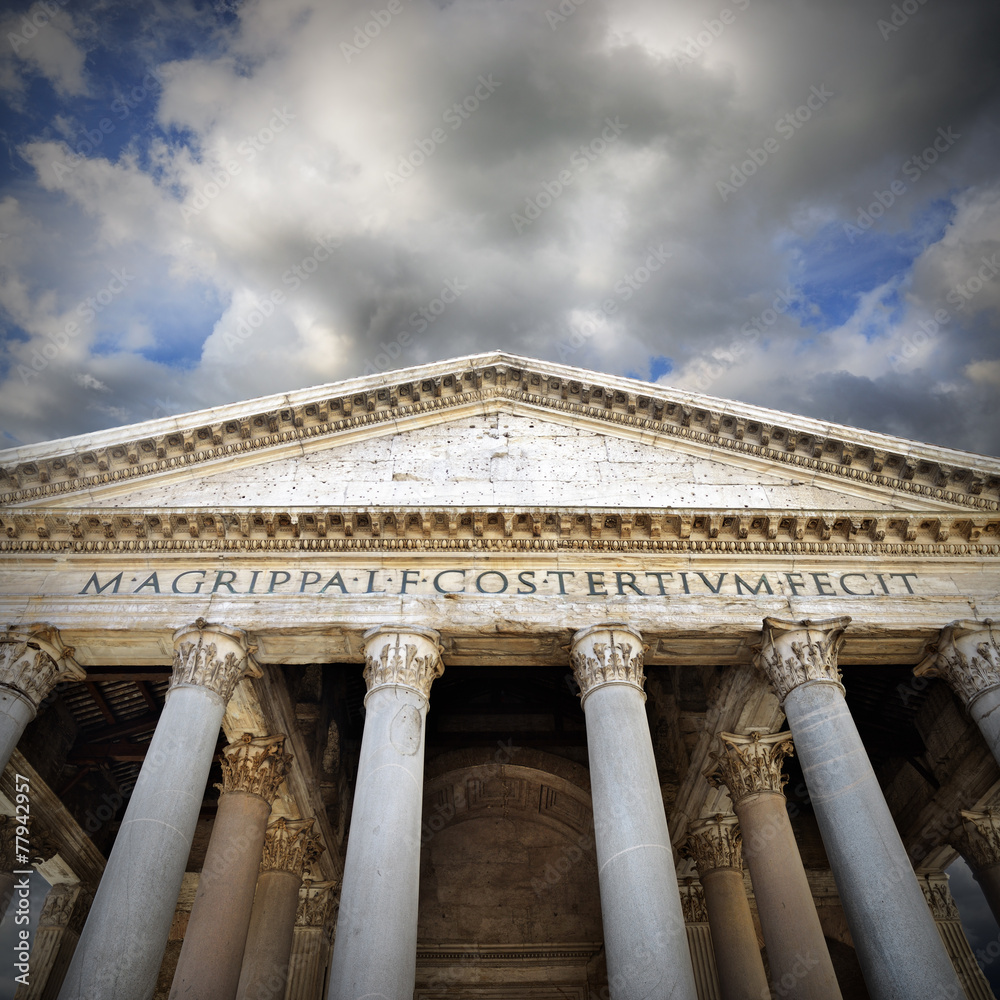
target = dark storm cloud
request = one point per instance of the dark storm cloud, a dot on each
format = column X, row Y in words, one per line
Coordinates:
column 540, row 162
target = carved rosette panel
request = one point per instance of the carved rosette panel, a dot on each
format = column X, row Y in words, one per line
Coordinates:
column 693, row 902
column 289, row 846
column 967, row 656
column 33, row 660
column 607, row 654
column 255, row 764
column 979, row 839
column 211, row 656
column 752, row 763
column 793, row 653
column 715, row 843
column 317, row 905
column 402, row 658
column 938, row 896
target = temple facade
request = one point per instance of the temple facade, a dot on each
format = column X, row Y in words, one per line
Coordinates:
column 497, row 679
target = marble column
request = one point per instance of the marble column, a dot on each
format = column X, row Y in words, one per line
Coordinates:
column 715, row 846
column 289, row 849
column 967, row 656
column 979, row 843
column 375, row 952
column 211, row 957
column 644, row 936
column 122, row 944
column 899, row 948
column 59, row 924
column 312, row 940
column 33, row 660
column 750, row 767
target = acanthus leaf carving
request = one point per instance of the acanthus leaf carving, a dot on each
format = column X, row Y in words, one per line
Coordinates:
column 215, row 657
column 714, row 843
column 751, row 763
column 33, row 660
column 255, row 764
column 796, row 652
column 967, row 656
column 402, row 658
column 607, row 654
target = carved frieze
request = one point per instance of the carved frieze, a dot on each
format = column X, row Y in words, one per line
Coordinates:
column 793, row 653
column 402, row 658
column 967, row 656
column 766, row 532
column 607, row 654
column 715, row 842
column 255, row 764
column 751, row 763
column 33, row 660
column 289, row 846
column 211, row 656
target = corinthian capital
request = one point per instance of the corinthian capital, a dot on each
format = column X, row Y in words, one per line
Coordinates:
column 317, row 905
column 793, row 653
column 213, row 657
column 967, row 656
column 33, row 660
column 715, row 843
column 255, row 764
column 289, row 846
column 409, row 657
column 979, row 839
column 607, row 654
column 749, row 764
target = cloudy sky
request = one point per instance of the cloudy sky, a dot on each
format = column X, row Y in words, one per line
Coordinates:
column 788, row 203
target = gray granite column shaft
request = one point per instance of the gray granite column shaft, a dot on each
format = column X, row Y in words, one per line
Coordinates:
column 121, row 947
column 898, row 945
column 644, row 935
column 375, row 953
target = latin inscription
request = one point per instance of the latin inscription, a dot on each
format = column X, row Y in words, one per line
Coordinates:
column 492, row 583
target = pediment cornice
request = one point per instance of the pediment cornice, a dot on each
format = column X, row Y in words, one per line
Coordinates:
column 483, row 529
column 343, row 410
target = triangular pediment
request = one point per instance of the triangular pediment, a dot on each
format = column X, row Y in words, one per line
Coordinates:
column 496, row 430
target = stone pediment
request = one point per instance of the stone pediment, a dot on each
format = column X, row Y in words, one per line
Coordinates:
column 495, row 431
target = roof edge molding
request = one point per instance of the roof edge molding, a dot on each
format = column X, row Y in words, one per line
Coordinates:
column 129, row 453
